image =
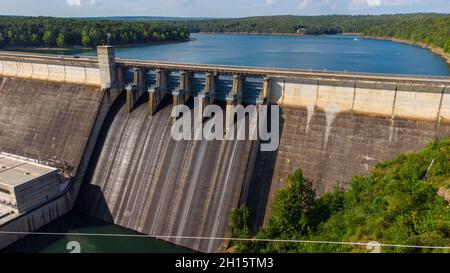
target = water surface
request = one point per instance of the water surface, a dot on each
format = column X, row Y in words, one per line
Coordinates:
column 318, row 52
column 75, row 223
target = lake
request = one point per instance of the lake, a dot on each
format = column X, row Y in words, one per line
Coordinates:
column 318, row 52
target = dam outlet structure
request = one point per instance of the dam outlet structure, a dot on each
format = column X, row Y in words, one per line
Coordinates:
column 101, row 126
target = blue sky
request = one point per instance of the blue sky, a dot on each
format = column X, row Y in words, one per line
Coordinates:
column 217, row 8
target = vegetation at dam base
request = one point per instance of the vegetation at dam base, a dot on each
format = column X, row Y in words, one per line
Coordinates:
column 431, row 30
column 60, row 32
column 398, row 203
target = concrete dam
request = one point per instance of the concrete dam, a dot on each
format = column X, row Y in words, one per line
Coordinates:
column 104, row 123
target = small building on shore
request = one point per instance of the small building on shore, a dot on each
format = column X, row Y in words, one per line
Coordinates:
column 301, row 30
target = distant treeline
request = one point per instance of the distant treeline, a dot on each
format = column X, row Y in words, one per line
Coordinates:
column 60, row 32
column 287, row 24
column 429, row 29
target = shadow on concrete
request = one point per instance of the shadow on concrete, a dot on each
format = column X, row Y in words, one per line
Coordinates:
column 91, row 199
column 261, row 182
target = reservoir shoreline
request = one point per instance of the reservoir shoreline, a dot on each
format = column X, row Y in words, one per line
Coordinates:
column 71, row 49
column 436, row 50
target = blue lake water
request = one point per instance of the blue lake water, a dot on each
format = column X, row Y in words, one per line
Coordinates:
column 318, row 52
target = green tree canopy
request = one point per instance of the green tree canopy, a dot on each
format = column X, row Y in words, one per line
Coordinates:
column 61, row 32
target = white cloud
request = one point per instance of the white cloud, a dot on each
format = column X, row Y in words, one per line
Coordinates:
column 360, row 4
column 316, row 4
column 73, row 2
column 373, row 2
column 78, row 3
column 270, row 2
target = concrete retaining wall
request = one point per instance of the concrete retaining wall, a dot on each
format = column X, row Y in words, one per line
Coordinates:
column 33, row 221
column 61, row 73
column 414, row 101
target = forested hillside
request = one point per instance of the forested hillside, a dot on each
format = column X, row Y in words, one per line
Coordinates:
column 397, row 204
column 433, row 31
column 60, row 32
column 287, row 24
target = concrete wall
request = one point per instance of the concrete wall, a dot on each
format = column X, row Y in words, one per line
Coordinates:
column 61, row 73
column 414, row 101
column 33, row 221
column 335, row 130
column 38, row 191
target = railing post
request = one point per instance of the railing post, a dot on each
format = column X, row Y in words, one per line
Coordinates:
column 233, row 99
column 158, row 92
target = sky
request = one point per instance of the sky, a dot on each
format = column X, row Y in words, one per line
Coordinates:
column 216, row 8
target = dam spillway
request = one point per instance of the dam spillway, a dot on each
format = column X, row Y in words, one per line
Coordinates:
column 109, row 120
column 146, row 181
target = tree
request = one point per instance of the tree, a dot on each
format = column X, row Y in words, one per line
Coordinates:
column 239, row 223
column 85, row 39
column 49, row 38
column 34, row 39
column 61, row 40
column 447, row 46
column 2, row 39
column 291, row 206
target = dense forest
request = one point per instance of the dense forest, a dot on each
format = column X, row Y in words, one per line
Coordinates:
column 287, row 24
column 398, row 203
column 433, row 31
column 430, row 29
column 60, row 32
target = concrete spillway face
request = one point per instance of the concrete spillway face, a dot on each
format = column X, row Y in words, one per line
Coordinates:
column 46, row 121
column 332, row 145
column 146, row 181
column 331, row 112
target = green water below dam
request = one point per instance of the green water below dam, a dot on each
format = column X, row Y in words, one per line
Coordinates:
column 75, row 223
